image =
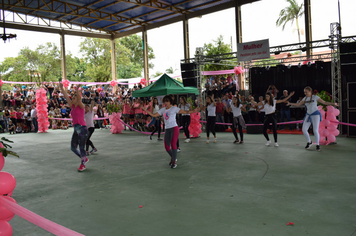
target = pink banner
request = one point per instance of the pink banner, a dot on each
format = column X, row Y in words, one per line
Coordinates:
column 282, row 123
column 102, row 118
column 74, row 82
column 342, row 123
column 219, row 72
column 38, row 220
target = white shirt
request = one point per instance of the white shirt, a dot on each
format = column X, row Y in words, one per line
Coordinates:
column 169, row 116
column 236, row 110
column 211, row 109
column 88, row 117
column 268, row 108
column 261, row 110
column 155, row 108
column 311, row 103
column 185, row 108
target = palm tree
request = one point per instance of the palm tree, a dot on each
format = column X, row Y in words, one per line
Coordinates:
column 291, row 13
column 170, row 70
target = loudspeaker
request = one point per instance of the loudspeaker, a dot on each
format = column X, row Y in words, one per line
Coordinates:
column 348, row 48
column 351, row 95
column 351, row 117
column 189, row 74
column 191, row 82
column 188, row 66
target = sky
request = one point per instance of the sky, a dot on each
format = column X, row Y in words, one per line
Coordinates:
column 258, row 22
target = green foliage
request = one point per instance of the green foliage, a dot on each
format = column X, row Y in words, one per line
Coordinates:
column 291, row 13
column 266, row 62
column 170, row 70
column 114, row 107
column 191, row 102
column 5, row 150
column 326, row 96
column 216, row 48
column 157, row 74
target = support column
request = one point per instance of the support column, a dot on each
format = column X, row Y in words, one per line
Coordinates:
column 113, row 61
column 145, row 55
column 186, row 37
column 308, row 27
column 63, row 57
column 238, row 22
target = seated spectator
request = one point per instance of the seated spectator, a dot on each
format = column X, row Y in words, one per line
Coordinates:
column 19, row 129
column 11, row 127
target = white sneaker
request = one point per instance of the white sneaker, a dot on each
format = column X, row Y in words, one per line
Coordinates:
column 187, row 140
column 276, row 145
column 178, row 150
column 268, row 143
column 215, row 140
column 207, row 141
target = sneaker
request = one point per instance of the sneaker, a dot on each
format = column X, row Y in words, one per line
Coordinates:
column 86, row 161
column 93, row 150
column 88, row 153
column 236, row 141
column 309, row 145
column 178, row 150
column 187, row 140
column 170, row 163
column 268, row 143
column 174, row 165
column 215, row 140
column 150, row 137
column 81, row 168
column 159, row 139
column 207, row 141
column 318, row 148
column 241, row 142
column 276, row 145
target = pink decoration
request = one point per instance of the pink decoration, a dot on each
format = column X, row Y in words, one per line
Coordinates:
column 7, row 183
column 195, row 126
column 2, row 158
column 330, row 110
column 238, row 70
column 331, row 117
column 331, row 138
column 5, row 214
column 1, row 83
column 116, row 126
column 45, row 224
column 113, row 83
column 5, row 228
column 65, row 82
column 325, row 132
column 336, row 112
column 143, row 81
column 140, row 206
column 42, row 115
column 326, row 122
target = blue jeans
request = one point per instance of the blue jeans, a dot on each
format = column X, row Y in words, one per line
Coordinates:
column 79, row 138
column 286, row 113
column 35, row 124
column 219, row 118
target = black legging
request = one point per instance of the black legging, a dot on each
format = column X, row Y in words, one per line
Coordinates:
column 186, row 123
column 236, row 124
column 210, row 125
column 270, row 118
column 89, row 142
column 157, row 127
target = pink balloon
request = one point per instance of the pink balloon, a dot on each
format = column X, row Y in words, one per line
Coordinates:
column 336, row 132
column 325, row 132
column 331, row 117
column 330, row 110
column 6, row 214
column 326, row 122
column 331, row 128
column 7, row 183
column 2, row 161
column 322, row 138
column 331, row 138
column 322, row 112
column 5, row 228
column 336, row 112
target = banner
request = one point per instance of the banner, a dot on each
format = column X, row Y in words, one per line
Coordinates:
column 253, row 50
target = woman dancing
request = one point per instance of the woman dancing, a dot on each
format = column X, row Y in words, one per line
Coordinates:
column 169, row 113
column 238, row 120
column 185, row 117
column 156, row 121
column 88, row 117
column 80, row 134
column 211, row 116
column 313, row 115
column 269, row 105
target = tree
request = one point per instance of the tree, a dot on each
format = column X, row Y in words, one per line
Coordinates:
column 216, row 48
column 291, row 13
column 157, row 74
column 170, row 70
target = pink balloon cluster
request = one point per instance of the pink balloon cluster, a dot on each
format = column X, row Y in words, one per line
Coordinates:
column 42, row 114
column 328, row 128
column 1, row 83
column 113, row 83
column 238, row 70
column 143, row 81
column 65, row 82
column 195, row 126
column 7, row 186
column 116, row 126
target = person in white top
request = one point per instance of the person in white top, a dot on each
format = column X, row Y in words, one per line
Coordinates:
column 261, row 111
column 185, row 117
column 169, row 113
column 88, row 117
column 211, row 116
column 269, row 105
column 313, row 115
column 156, row 121
column 238, row 120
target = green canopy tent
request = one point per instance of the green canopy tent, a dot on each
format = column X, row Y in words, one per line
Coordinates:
column 163, row 86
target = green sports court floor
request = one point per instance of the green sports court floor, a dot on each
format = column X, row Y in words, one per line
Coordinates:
column 218, row 189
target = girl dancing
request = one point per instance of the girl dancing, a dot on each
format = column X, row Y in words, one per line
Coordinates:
column 211, row 116
column 238, row 120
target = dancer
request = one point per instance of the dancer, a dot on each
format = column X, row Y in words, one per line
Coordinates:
column 185, row 117
column 211, row 116
column 156, row 121
column 269, row 105
column 238, row 120
column 88, row 117
column 80, row 134
column 313, row 115
column 172, row 132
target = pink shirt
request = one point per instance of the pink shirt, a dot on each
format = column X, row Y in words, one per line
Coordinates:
column 138, row 109
column 126, row 109
column 77, row 114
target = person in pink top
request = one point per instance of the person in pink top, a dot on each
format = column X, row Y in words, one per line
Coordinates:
column 80, row 134
column 138, row 113
column 126, row 111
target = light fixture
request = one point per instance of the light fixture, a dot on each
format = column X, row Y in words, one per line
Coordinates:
column 300, row 65
column 289, row 66
column 309, row 63
column 277, row 53
column 267, row 67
